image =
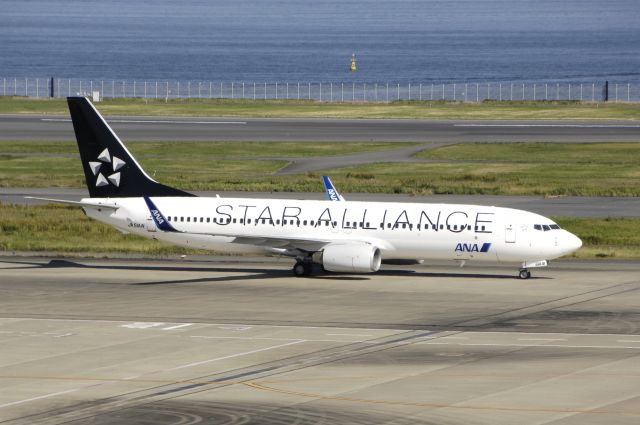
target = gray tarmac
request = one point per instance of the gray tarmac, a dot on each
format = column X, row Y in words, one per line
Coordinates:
column 572, row 206
column 47, row 127
column 240, row 341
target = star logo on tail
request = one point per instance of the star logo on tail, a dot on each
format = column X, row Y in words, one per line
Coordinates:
column 109, row 165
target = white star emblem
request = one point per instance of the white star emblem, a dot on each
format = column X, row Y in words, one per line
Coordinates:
column 103, row 159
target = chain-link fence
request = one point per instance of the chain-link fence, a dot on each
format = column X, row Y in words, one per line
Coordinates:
column 327, row 92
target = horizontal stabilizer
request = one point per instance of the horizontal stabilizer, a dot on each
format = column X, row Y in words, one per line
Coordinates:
column 77, row 203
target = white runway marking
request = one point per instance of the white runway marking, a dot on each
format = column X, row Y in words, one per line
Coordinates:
column 142, row 325
column 549, row 125
column 542, row 339
column 13, row 403
column 153, row 121
column 531, row 345
column 231, row 356
column 184, row 325
column 348, row 334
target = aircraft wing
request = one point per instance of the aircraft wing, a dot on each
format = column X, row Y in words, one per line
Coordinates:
column 298, row 242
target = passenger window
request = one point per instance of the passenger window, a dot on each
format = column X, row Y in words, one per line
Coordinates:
column 388, row 225
column 234, row 221
column 188, row 219
column 181, row 218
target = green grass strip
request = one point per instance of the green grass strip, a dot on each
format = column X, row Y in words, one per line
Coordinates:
column 314, row 109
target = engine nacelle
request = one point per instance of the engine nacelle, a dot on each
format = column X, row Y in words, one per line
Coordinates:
column 351, row 257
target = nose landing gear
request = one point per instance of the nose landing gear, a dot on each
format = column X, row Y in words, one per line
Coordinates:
column 524, row 274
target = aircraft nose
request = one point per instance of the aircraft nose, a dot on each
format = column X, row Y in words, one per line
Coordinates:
column 571, row 243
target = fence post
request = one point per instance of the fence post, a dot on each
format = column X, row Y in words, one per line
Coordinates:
column 298, row 90
column 309, row 91
column 409, row 91
column 616, row 92
column 342, row 92
column 442, row 91
column 287, row 91
column 37, row 87
column 500, row 92
column 557, row 91
column 353, row 92
column 522, row 91
column 101, row 88
column 4, row 86
column 593, row 92
column 387, row 91
column 376, row 91
column 80, row 88
column 321, row 91
column 477, row 92
column 26, row 84
column 454, row 92
column 569, row 91
column 580, row 92
column 628, row 91
column 156, row 89
column 465, row 92
column 511, row 93
column 331, row 92
column 546, row 91
column 534, row 92
column 276, row 90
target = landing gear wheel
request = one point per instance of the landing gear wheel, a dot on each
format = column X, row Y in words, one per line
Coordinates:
column 524, row 274
column 301, row 269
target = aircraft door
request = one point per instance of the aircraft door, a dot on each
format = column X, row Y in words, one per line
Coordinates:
column 510, row 233
column 150, row 225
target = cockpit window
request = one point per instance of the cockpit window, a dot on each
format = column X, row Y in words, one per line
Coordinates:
column 546, row 227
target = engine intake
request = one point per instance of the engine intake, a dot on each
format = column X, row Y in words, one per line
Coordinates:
column 351, row 258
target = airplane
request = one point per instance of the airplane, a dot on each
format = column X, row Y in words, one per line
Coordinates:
column 343, row 237
column 330, row 190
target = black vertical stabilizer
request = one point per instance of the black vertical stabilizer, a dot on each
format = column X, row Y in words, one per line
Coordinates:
column 109, row 168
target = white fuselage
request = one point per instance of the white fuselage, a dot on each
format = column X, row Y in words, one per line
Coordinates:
column 399, row 230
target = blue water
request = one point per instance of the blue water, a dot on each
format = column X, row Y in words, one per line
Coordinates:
column 305, row 40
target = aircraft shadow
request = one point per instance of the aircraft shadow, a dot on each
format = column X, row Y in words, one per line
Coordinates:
column 255, row 273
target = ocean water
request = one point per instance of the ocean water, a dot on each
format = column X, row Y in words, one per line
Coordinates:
column 312, row 41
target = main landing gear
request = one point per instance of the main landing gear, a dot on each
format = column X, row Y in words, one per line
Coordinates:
column 302, row 268
column 524, row 274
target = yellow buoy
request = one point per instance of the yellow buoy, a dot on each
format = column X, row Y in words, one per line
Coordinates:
column 353, row 62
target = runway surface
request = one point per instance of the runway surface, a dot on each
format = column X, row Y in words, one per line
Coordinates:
column 573, row 206
column 241, row 341
column 46, row 127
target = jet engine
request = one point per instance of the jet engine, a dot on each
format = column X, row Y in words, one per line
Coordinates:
column 351, row 257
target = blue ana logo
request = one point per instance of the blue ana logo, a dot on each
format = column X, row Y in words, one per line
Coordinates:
column 158, row 216
column 472, row 247
column 332, row 194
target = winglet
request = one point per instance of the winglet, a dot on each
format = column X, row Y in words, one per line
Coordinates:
column 332, row 193
column 161, row 222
